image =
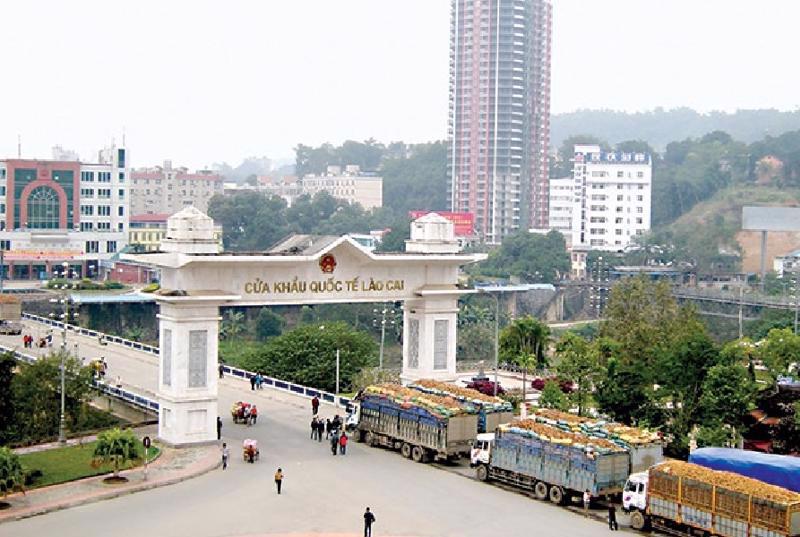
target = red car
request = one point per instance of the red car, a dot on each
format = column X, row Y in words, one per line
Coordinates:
column 567, row 386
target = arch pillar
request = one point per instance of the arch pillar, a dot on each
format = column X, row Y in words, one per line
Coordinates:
column 429, row 338
column 187, row 372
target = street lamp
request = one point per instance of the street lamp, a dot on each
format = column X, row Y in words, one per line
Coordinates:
column 62, row 436
column 496, row 332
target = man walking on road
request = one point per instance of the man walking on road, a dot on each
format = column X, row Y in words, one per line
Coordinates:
column 279, row 479
column 320, row 429
column 314, row 428
column 369, row 519
column 219, row 428
column 334, row 443
column 343, row 443
column 587, row 500
column 221, row 371
column 252, row 382
column 315, row 405
column 225, row 454
column 612, row 517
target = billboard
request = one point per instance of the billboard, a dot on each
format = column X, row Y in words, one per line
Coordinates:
column 771, row 218
column 463, row 223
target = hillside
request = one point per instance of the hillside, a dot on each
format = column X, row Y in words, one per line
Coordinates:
column 659, row 127
column 716, row 224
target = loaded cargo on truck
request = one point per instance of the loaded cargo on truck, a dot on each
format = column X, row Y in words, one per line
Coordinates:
column 686, row 499
column 10, row 315
column 492, row 411
column 552, row 463
column 423, row 426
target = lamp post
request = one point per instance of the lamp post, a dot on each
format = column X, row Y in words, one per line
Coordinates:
column 62, row 435
column 496, row 333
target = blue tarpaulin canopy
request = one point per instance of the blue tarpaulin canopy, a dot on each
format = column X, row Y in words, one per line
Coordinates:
column 780, row 470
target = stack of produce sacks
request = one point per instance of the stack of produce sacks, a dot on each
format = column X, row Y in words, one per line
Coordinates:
column 547, row 433
column 617, row 433
column 465, row 395
column 443, row 407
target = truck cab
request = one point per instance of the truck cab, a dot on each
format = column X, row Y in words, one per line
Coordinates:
column 481, row 449
column 353, row 414
column 634, row 495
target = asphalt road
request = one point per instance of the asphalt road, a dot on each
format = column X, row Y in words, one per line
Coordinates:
column 321, row 494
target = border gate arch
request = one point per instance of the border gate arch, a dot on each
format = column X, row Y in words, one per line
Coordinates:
column 197, row 278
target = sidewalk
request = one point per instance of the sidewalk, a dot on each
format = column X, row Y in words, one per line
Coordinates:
column 173, row 466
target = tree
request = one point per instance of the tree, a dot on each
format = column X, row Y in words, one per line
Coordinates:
column 395, row 239
column 778, row 350
column 532, row 257
column 552, row 396
column 37, row 389
column 7, row 365
column 728, row 394
column 116, row 446
column 307, row 355
column 524, row 342
column 625, row 395
column 579, row 362
column 232, row 325
column 268, row 324
column 12, row 477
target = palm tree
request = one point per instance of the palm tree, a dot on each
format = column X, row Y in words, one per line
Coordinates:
column 116, row 446
column 11, row 475
column 232, row 324
column 524, row 342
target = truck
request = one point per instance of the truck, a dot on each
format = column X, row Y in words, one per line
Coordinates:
column 419, row 425
column 687, row 499
column 553, row 464
column 10, row 315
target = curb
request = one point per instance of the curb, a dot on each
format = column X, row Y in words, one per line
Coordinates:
column 67, row 504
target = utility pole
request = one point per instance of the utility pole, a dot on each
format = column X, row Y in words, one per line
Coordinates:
column 337, row 378
column 741, row 306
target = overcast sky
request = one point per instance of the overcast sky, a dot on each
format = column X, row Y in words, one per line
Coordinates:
column 202, row 81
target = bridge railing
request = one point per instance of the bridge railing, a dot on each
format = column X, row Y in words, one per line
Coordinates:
column 235, row 372
column 122, row 394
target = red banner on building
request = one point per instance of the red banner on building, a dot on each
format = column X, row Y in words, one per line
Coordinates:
column 463, row 223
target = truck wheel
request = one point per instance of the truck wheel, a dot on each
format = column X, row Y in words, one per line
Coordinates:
column 417, row 454
column 638, row 522
column 405, row 450
column 556, row 495
column 482, row 473
column 540, row 490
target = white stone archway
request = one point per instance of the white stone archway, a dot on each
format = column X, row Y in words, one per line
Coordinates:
column 197, row 278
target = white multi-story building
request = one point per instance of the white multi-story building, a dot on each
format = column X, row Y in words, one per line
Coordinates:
column 561, row 204
column 167, row 190
column 352, row 186
column 611, row 198
column 63, row 211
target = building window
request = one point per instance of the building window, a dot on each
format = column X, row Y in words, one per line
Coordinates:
column 638, row 220
column 5, row 245
column 111, row 247
column 120, row 211
column 618, row 220
column 87, row 177
column 639, row 210
column 620, row 174
column 86, row 226
column 120, row 226
column 641, row 187
column 103, row 210
column 2, row 190
column 121, row 193
column 640, row 174
column 619, row 209
column 639, row 198
column 620, row 186
column 121, row 177
column 43, row 208
column 104, row 226
column 92, row 247
column 617, row 232
column 87, row 210
column 619, row 197
column 104, row 177
column 87, row 192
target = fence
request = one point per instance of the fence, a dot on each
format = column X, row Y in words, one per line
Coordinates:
column 242, row 374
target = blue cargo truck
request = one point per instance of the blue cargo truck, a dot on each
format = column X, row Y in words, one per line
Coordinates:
column 552, row 470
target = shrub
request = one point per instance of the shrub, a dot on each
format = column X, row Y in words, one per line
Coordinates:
column 116, row 446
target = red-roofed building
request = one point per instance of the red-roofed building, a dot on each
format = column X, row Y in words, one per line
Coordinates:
column 167, row 190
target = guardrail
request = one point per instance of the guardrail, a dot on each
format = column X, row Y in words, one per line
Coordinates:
column 128, row 396
column 93, row 333
column 242, row 374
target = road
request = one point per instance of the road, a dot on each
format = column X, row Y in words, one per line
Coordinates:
column 322, row 493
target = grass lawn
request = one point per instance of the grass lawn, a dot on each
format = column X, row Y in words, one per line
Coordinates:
column 67, row 464
column 236, row 352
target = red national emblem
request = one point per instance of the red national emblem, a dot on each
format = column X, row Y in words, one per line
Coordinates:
column 327, row 263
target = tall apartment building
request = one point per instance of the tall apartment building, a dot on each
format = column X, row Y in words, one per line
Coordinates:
column 167, row 190
column 499, row 124
column 57, row 211
column 612, row 197
column 562, row 200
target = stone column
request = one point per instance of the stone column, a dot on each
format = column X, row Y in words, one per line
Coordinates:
column 187, row 373
column 429, row 338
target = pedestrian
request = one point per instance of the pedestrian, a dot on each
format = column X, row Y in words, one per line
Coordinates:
column 225, row 454
column 221, row 369
column 328, row 428
column 314, row 428
column 219, row 428
column 252, row 382
column 259, row 380
column 369, row 520
column 279, row 479
column 612, row 517
column 587, row 499
column 334, row 443
column 336, row 424
column 343, row 443
column 254, row 414
column 320, row 429
column 315, row 405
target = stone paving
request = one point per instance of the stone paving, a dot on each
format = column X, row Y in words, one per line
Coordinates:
column 172, row 466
